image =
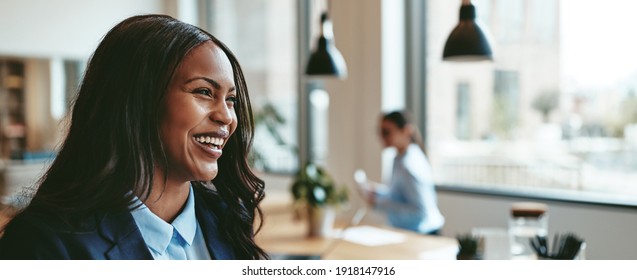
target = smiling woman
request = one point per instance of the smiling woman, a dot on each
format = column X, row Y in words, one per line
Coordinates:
column 141, row 173
column 199, row 114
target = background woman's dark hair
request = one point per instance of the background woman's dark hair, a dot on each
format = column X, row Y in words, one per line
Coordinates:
column 402, row 119
column 113, row 143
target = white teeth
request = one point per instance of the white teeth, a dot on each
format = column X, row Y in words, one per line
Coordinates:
column 209, row 140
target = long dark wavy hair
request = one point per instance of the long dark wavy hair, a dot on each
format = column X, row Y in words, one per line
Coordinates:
column 113, row 142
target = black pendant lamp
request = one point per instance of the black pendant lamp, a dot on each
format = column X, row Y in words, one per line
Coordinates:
column 467, row 42
column 326, row 60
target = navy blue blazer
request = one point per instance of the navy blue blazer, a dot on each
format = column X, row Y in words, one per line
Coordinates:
column 113, row 236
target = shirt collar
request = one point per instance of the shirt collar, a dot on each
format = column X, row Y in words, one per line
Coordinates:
column 157, row 233
column 186, row 222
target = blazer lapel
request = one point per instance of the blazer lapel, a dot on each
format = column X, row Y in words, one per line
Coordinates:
column 128, row 243
column 207, row 219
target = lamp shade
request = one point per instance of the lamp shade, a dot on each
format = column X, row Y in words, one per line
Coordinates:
column 326, row 60
column 467, row 42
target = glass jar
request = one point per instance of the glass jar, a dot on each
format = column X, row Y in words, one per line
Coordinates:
column 527, row 220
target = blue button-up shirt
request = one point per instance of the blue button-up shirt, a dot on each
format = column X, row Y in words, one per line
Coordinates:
column 180, row 240
column 411, row 202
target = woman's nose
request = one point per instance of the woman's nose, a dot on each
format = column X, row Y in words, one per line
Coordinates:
column 221, row 114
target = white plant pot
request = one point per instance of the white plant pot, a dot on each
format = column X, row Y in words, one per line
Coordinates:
column 321, row 221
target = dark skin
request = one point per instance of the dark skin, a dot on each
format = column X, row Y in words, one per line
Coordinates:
column 198, row 117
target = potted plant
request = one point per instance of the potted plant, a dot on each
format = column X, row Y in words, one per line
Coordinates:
column 315, row 193
column 470, row 247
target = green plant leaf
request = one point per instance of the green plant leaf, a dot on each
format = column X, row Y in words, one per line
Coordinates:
column 313, row 185
column 319, row 195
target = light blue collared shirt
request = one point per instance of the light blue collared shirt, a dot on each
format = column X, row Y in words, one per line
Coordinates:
column 181, row 240
column 411, row 202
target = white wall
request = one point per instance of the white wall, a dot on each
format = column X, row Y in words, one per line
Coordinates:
column 62, row 28
column 609, row 231
column 355, row 102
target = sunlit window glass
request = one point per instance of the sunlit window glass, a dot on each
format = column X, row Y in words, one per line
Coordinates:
column 555, row 110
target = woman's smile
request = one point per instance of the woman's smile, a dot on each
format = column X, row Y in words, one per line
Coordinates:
column 211, row 145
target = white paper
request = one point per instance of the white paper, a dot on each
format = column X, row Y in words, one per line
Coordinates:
column 372, row 236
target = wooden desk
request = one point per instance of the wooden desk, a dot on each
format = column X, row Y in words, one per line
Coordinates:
column 283, row 235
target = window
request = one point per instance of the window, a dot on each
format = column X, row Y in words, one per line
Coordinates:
column 263, row 36
column 463, row 112
column 555, row 111
column 504, row 106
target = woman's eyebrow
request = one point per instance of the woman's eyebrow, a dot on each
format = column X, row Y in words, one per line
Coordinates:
column 212, row 82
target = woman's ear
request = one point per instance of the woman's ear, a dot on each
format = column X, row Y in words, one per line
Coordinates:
column 408, row 130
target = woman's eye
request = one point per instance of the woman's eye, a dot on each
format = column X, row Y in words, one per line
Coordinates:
column 232, row 99
column 203, row 91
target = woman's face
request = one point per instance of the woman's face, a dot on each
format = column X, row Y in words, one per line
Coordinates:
column 198, row 114
column 393, row 136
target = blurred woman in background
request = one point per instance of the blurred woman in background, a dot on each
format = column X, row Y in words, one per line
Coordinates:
column 409, row 200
